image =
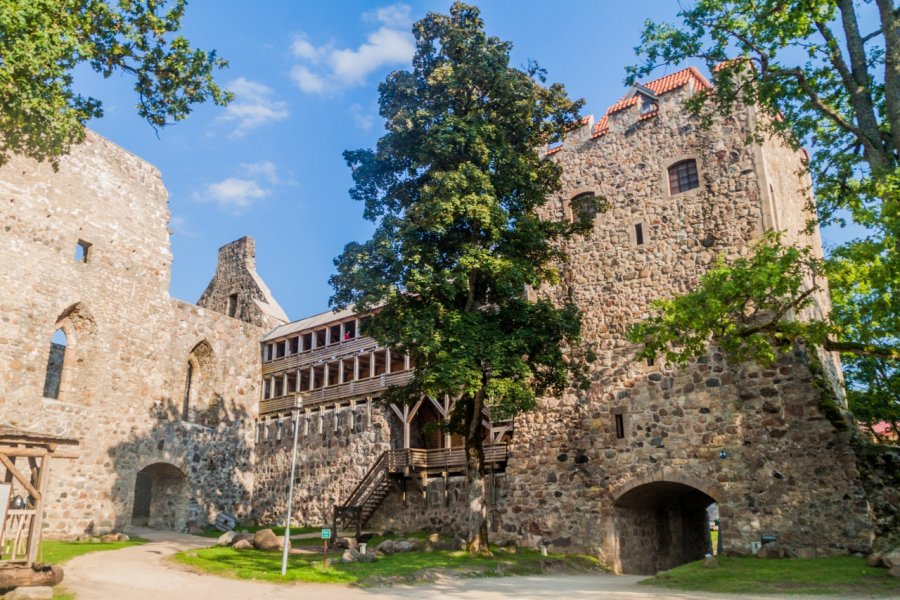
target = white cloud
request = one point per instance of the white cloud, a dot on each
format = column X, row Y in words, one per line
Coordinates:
column 360, row 118
column 324, row 68
column 235, row 194
column 253, row 182
column 252, row 107
column 393, row 15
column 307, row 81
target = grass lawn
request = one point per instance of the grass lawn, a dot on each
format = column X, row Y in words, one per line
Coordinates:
column 55, row 552
column 840, row 575
column 212, row 532
column 406, row 567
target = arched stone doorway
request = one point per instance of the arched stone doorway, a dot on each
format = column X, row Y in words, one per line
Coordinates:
column 160, row 497
column 660, row 525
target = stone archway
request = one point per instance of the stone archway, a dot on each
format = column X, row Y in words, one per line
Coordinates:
column 660, row 525
column 160, row 497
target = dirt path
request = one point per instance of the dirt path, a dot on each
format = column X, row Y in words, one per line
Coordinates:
column 142, row 573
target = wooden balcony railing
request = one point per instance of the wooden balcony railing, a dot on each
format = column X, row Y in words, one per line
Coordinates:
column 439, row 459
column 337, row 350
column 351, row 389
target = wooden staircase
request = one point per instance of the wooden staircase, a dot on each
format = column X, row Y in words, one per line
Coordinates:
column 394, row 466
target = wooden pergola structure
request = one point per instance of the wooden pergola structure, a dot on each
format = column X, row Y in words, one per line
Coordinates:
column 25, row 459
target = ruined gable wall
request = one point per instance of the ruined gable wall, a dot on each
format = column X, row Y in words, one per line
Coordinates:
column 129, row 342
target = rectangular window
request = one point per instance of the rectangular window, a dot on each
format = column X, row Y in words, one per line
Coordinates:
column 294, row 345
column 620, row 426
column 320, row 338
column 349, row 330
column 279, row 349
column 380, row 362
column 335, row 334
column 683, row 176
column 304, row 380
column 398, row 362
column 365, row 365
column 232, row 305
column 82, row 251
column 333, row 373
column 639, row 234
column 307, row 341
column 651, row 362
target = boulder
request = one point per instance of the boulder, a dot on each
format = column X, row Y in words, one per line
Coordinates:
column 874, row 560
column 775, row 550
column 242, row 545
column 458, row 543
column 344, row 542
column 710, row 562
column 351, row 555
column 891, row 558
column 245, row 536
column 367, row 557
column 433, row 538
column 123, row 537
column 227, row 538
column 415, row 543
column 40, row 592
column 386, row 547
column 265, row 539
column 894, row 571
column 403, row 547
column 807, row 552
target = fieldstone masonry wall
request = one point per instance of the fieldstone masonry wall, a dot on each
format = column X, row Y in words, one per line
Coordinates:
column 124, row 376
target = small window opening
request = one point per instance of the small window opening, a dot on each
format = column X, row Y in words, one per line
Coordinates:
column 279, row 349
column 82, row 251
column 307, row 341
column 347, row 366
column 291, row 383
column 186, row 403
column 380, row 362
column 333, row 373
column 232, row 305
column 55, row 361
column 318, row 377
column 639, row 234
column 279, row 387
column 304, row 380
column 651, row 362
column 267, row 388
column 620, row 426
column 365, row 366
column 683, row 176
column 335, row 336
column 585, row 208
column 349, row 330
column 398, row 362
column 294, row 345
column 648, row 105
column 320, row 338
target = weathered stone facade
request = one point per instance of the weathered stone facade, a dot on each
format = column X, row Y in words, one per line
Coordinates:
column 129, row 344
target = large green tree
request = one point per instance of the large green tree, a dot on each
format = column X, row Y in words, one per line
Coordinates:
column 827, row 72
column 43, row 41
column 454, row 189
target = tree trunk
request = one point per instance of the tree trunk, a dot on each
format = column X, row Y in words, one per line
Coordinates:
column 476, row 503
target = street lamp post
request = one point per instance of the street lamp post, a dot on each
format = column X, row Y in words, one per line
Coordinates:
column 295, row 415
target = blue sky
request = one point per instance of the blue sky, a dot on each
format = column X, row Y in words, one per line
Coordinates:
column 305, row 77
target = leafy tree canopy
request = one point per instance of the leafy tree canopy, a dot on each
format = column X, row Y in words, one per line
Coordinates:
column 42, row 41
column 454, row 189
column 827, row 72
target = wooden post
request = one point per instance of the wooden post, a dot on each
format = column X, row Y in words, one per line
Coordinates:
column 352, row 414
column 387, row 361
column 38, row 520
column 406, row 433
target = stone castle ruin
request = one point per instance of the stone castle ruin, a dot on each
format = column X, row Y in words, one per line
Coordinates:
column 187, row 410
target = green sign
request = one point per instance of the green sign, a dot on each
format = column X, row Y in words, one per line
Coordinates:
column 326, row 534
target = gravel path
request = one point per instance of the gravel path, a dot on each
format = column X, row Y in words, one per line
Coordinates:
column 141, row 573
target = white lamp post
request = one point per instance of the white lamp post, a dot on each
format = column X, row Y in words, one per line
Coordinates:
column 295, row 415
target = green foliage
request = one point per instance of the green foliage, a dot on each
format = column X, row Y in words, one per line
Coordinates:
column 742, row 306
column 407, row 567
column 43, row 41
column 840, row 575
column 826, row 84
column 454, row 188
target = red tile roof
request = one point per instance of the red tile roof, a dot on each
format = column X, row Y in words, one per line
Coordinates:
column 660, row 86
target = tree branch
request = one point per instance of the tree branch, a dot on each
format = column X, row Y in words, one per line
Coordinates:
column 861, row 349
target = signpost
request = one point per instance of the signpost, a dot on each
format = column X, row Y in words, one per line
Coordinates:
column 326, row 535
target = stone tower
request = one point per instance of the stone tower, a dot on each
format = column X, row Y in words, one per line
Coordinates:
column 238, row 291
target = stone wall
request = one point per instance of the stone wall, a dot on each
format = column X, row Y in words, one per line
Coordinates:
column 329, row 465
column 128, row 343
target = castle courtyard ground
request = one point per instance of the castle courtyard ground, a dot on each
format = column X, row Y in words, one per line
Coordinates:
column 144, row 573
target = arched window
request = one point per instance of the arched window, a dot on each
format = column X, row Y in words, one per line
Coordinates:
column 55, row 361
column 188, row 379
column 585, row 207
column 683, row 176
column 199, row 401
